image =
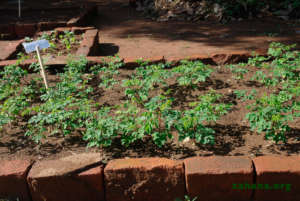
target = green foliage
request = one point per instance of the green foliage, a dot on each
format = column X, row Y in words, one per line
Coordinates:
column 192, row 72
column 144, row 80
column 190, row 125
column 65, row 107
column 148, row 112
column 238, row 72
column 68, row 39
column 271, row 114
column 242, row 94
column 283, row 70
column 108, row 70
column 15, row 99
column 187, row 198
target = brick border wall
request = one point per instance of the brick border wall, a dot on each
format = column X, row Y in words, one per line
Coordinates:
column 84, row 177
column 215, row 59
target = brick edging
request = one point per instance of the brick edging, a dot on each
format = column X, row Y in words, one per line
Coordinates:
column 85, row 177
column 214, row 59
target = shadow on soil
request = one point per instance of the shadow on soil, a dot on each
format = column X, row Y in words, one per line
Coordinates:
column 118, row 18
column 108, row 49
column 227, row 139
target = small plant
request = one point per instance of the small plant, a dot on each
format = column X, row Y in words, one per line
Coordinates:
column 238, row 72
column 187, row 198
column 108, row 70
column 68, row 39
column 271, row 114
column 190, row 125
column 191, row 73
column 242, row 94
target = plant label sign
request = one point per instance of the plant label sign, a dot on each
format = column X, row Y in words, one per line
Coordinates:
column 37, row 46
column 31, row 47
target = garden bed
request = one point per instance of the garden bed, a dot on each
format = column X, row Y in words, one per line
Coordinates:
column 64, row 41
column 61, row 44
column 162, row 101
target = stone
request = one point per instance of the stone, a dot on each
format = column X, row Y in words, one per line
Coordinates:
column 279, row 170
column 13, row 183
column 77, row 177
column 212, row 178
column 144, row 179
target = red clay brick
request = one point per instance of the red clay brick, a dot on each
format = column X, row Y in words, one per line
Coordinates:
column 278, row 170
column 13, row 179
column 212, row 178
column 23, row 30
column 133, row 62
column 71, row 178
column 9, row 48
column 25, row 63
column 231, row 57
column 175, row 60
column 8, row 29
column 89, row 43
column 44, row 26
column 144, row 179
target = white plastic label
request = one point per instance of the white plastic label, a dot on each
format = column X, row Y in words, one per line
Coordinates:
column 30, row 47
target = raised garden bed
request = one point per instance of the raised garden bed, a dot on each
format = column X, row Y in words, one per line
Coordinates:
column 203, row 109
column 64, row 41
column 61, row 44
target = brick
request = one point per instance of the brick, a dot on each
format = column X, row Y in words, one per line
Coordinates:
column 89, row 43
column 277, row 170
column 13, row 183
column 44, row 26
column 144, row 179
column 25, row 30
column 77, row 177
column 7, row 31
column 61, row 30
column 231, row 57
column 212, row 178
column 9, row 48
column 80, row 30
column 175, row 60
column 25, row 63
column 133, row 61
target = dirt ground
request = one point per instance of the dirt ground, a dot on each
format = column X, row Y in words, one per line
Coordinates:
column 126, row 32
